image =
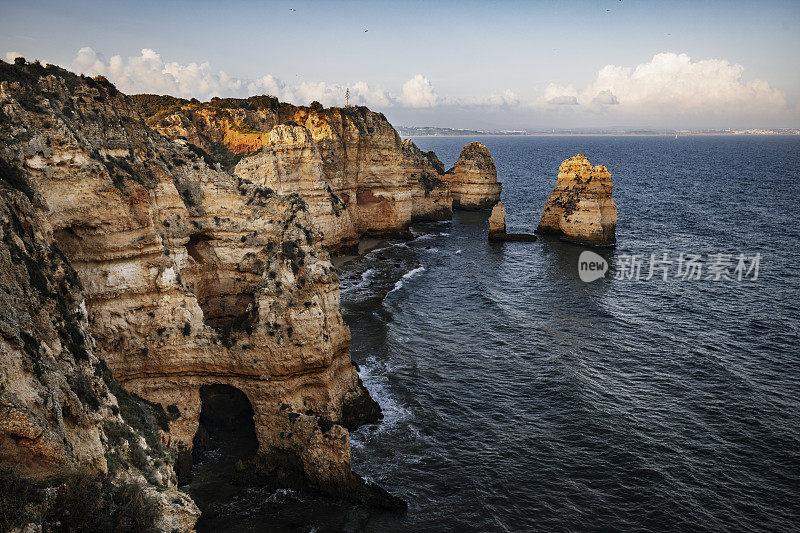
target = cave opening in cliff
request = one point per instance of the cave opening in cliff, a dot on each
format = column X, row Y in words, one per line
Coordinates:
column 226, row 425
column 224, row 294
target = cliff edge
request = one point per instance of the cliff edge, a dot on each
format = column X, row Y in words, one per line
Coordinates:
column 191, row 278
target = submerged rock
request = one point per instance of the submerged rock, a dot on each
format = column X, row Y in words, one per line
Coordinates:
column 473, row 179
column 580, row 208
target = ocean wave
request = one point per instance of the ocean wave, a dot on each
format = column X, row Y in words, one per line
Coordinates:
column 407, row 276
column 375, row 377
column 366, row 278
column 426, row 236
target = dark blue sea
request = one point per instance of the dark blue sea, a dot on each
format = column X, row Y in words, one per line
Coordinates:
column 519, row 398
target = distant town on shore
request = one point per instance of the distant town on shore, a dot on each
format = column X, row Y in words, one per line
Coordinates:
column 430, row 131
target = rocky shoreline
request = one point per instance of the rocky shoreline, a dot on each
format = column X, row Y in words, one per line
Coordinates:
column 162, row 257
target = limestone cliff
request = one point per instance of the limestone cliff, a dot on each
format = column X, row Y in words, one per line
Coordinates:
column 193, row 277
column 431, row 196
column 473, row 179
column 60, row 408
column 581, row 208
column 375, row 185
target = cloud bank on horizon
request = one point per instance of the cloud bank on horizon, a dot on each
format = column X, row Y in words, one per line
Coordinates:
column 669, row 86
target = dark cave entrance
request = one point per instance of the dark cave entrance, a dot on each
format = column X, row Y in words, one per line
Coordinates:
column 227, row 429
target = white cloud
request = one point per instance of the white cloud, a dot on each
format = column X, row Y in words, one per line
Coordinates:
column 564, row 99
column 419, row 92
column 506, row 99
column 605, row 97
column 148, row 72
column 672, row 84
column 11, row 56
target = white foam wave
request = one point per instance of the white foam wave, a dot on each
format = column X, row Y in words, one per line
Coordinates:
column 366, row 278
column 407, row 276
column 426, row 236
column 375, row 376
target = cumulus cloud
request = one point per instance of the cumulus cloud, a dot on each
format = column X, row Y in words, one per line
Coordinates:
column 418, row 92
column 563, row 100
column 11, row 56
column 605, row 98
column 674, row 84
column 508, row 98
column 150, row 73
column 669, row 85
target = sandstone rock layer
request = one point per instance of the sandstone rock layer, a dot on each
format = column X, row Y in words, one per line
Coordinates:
column 473, row 179
column 192, row 276
column 581, row 208
column 347, row 163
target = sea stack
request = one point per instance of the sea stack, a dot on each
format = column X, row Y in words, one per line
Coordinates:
column 473, row 179
column 497, row 227
column 497, row 222
column 580, row 208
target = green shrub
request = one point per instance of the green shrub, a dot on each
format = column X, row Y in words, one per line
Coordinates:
column 16, row 493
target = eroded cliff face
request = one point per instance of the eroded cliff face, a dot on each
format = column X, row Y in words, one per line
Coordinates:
column 192, row 276
column 430, row 194
column 375, row 186
column 473, row 179
column 60, row 408
column 581, row 208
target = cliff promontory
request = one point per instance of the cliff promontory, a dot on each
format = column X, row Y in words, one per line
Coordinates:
column 348, row 164
column 183, row 276
column 581, row 208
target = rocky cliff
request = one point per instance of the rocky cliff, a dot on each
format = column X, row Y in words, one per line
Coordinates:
column 76, row 449
column 192, row 277
column 431, row 197
column 375, row 185
column 581, row 208
column 473, row 179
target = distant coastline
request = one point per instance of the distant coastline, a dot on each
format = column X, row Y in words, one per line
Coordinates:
column 429, row 131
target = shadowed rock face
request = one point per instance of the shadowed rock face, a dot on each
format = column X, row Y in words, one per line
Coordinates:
column 348, row 164
column 432, row 199
column 60, row 408
column 191, row 276
column 473, row 179
column 580, row 208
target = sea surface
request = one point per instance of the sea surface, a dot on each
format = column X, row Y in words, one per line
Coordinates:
column 519, row 398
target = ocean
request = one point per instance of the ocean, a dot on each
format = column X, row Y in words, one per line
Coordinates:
column 519, row 398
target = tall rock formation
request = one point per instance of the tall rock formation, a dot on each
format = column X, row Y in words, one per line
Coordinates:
column 193, row 277
column 580, row 208
column 431, row 196
column 374, row 185
column 473, row 179
column 497, row 221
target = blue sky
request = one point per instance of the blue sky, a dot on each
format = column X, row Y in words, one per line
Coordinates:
column 460, row 64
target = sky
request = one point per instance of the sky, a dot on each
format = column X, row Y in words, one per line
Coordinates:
column 482, row 65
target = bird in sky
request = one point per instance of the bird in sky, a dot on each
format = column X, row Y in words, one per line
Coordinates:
column 292, row 9
column 365, row 31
